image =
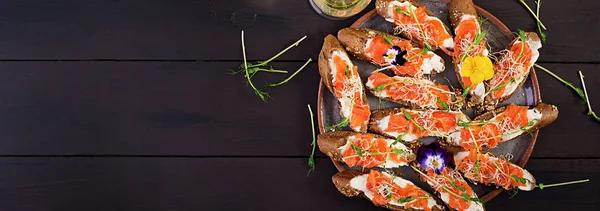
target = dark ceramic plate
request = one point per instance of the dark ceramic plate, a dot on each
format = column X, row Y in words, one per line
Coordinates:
column 498, row 38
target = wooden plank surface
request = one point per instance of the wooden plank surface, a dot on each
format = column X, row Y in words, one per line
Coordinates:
column 149, row 108
column 181, row 108
column 141, row 115
column 235, row 184
column 186, row 30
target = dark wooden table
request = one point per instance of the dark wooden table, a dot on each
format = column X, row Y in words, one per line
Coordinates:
column 126, row 105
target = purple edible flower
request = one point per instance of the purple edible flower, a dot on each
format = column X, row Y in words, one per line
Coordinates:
column 394, row 56
column 432, row 157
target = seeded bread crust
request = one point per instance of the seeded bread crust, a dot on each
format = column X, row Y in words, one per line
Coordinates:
column 342, row 179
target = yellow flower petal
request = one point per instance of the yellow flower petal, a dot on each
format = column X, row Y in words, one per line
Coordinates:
column 467, row 66
column 485, row 66
column 477, row 77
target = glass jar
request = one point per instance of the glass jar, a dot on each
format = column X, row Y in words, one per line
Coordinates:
column 339, row 9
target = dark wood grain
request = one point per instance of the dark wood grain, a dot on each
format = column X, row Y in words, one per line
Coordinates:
column 210, row 30
column 179, row 30
column 234, row 184
column 149, row 108
column 569, row 26
column 174, row 108
column 181, row 108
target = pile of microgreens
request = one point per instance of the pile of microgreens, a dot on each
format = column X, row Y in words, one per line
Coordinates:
column 251, row 69
column 536, row 15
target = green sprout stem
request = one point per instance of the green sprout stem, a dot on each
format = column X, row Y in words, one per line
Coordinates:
column 291, row 76
column 532, row 13
column 261, row 94
column 272, row 70
column 542, row 186
column 569, row 84
column 311, row 158
column 542, row 34
column 253, row 71
column 476, row 40
column 263, row 63
column 384, row 68
column 425, row 42
column 590, row 111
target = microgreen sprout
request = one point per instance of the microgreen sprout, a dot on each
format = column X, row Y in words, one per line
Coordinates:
column 590, row 111
column 532, row 13
column 291, row 76
column 569, row 84
column 311, row 158
column 250, row 70
column 263, row 95
column 541, row 186
column 537, row 12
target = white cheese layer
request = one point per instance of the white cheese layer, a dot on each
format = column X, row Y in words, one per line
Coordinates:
column 360, row 183
column 534, row 45
column 394, row 4
column 445, row 196
column 390, row 142
column 431, row 104
column 384, row 122
column 351, row 86
column 465, row 18
column 529, row 185
column 454, row 138
column 532, row 115
column 368, row 45
column 430, row 65
column 448, row 43
column 510, row 87
column 478, row 91
column 433, row 64
column 458, row 157
column 473, row 206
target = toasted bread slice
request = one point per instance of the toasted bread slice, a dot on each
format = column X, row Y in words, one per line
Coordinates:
column 342, row 79
column 364, row 150
column 416, row 27
column 513, row 66
column 502, row 125
column 381, row 48
column 460, row 8
column 354, row 183
column 468, row 32
column 434, row 123
column 418, row 93
column 487, row 168
column 451, row 187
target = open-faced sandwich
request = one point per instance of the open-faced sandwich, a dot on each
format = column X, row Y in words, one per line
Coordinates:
column 471, row 62
column 416, row 22
column 502, row 125
column 513, row 65
column 414, row 92
column 450, row 186
column 385, row 190
column 384, row 49
column 410, row 125
column 364, row 150
column 342, row 79
column 490, row 170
